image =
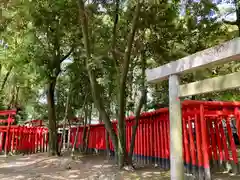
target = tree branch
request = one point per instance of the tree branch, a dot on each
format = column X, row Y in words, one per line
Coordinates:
column 126, row 62
column 114, row 38
column 142, row 101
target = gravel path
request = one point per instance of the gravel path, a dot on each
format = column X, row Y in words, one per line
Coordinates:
column 41, row 167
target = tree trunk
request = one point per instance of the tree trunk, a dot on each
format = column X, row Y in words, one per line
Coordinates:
column 6, row 78
column 84, row 135
column 122, row 154
column 75, row 140
column 142, row 101
column 52, row 126
column 16, row 97
column 107, row 144
column 99, row 118
column 63, row 137
column 89, row 126
column 76, row 135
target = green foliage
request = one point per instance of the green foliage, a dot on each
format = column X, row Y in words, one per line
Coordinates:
column 38, row 34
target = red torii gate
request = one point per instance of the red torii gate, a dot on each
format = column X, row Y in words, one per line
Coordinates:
column 10, row 119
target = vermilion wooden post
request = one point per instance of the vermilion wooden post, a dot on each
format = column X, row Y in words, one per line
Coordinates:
column 237, row 117
column 162, row 143
column 30, row 140
column 23, row 139
column 7, row 136
column 192, row 146
column 158, row 145
column 233, row 146
column 136, row 152
column 186, row 146
column 144, row 143
column 96, row 140
column 37, row 139
column 41, row 141
column 168, row 142
column 27, row 140
column 165, row 145
column 147, row 144
column 140, row 139
column 17, row 138
column 12, row 139
column 93, row 140
column 155, row 140
column 199, row 150
column 224, row 142
column 219, row 142
column 129, row 135
column 213, row 143
column 210, row 151
column 34, row 140
column 151, row 141
column 205, row 145
column 20, row 139
column 1, row 142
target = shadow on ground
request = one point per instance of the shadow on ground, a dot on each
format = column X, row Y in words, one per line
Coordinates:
column 41, row 167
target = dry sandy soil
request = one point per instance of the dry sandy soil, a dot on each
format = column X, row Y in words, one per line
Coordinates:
column 41, row 167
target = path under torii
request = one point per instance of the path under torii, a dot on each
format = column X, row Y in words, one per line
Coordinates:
column 223, row 53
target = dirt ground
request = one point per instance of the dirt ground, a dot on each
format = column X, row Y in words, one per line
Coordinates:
column 41, row 167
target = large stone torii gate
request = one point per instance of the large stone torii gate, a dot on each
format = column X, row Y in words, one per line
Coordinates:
column 228, row 51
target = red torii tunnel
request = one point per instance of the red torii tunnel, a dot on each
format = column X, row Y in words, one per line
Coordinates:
column 22, row 139
column 211, row 131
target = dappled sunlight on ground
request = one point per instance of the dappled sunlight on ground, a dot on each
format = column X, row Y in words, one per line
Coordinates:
column 41, row 167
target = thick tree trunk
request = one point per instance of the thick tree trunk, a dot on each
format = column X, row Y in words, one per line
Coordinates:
column 52, row 126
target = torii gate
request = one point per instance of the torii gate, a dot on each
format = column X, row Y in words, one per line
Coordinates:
column 220, row 54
